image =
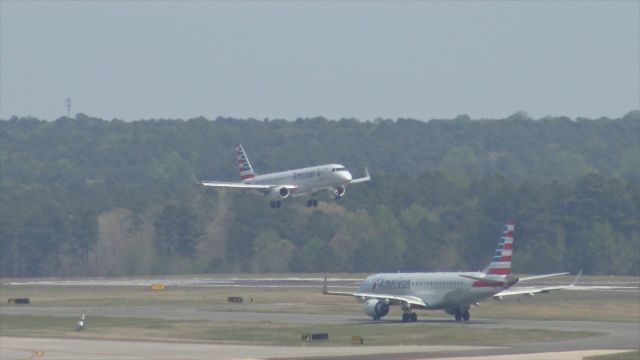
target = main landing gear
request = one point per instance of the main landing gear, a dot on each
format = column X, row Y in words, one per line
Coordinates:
column 275, row 204
column 312, row 203
column 462, row 314
column 409, row 317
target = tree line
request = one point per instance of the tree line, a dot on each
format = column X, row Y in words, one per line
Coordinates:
column 84, row 196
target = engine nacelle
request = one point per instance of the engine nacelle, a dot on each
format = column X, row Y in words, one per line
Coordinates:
column 280, row 192
column 339, row 191
column 375, row 308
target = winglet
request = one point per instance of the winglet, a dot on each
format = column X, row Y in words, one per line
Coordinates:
column 366, row 177
column 576, row 279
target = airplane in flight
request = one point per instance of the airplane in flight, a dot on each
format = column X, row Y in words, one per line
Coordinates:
column 453, row 292
column 298, row 182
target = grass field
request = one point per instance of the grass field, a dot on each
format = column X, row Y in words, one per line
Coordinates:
column 559, row 305
column 621, row 306
column 269, row 333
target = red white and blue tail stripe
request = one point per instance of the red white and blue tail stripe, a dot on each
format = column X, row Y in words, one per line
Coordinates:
column 246, row 171
column 501, row 264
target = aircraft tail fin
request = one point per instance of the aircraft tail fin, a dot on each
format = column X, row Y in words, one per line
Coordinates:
column 246, row 171
column 501, row 263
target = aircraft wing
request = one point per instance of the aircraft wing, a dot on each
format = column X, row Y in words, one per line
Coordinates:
column 412, row 300
column 240, row 185
column 531, row 290
column 366, row 177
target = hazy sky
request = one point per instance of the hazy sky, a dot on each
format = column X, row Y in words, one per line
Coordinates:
column 424, row 60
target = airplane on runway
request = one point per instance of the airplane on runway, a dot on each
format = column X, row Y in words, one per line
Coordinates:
column 453, row 292
column 280, row 185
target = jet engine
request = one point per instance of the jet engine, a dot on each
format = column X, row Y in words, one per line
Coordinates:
column 280, row 192
column 375, row 308
column 339, row 191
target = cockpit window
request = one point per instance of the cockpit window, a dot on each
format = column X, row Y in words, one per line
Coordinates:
column 339, row 169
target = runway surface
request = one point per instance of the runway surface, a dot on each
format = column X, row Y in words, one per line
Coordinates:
column 12, row 348
column 16, row 348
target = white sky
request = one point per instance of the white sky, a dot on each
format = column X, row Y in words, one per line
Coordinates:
column 424, row 60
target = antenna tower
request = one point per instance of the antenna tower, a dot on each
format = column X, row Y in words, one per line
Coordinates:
column 67, row 103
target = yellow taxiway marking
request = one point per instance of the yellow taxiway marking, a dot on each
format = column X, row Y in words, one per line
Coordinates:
column 36, row 354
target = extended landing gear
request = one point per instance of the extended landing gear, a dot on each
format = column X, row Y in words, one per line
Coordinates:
column 275, row 204
column 409, row 317
column 312, row 203
column 462, row 314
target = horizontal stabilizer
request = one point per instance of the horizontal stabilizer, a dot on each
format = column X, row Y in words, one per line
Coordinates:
column 542, row 276
column 487, row 280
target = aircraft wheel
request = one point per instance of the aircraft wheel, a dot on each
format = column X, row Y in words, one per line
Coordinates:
column 278, row 203
column 315, row 203
column 406, row 317
column 466, row 315
column 414, row 317
column 458, row 315
column 309, row 203
column 273, row 204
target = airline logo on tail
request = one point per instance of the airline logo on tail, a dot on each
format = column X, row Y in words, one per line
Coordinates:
column 246, row 172
column 501, row 264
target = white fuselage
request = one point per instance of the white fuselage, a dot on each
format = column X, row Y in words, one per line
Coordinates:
column 307, row 180
column 443, row 290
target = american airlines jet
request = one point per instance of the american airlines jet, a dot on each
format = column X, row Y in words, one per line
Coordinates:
column 453, row 292
column 280, row 185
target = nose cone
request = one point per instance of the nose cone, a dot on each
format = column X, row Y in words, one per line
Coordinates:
column 346, row 175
